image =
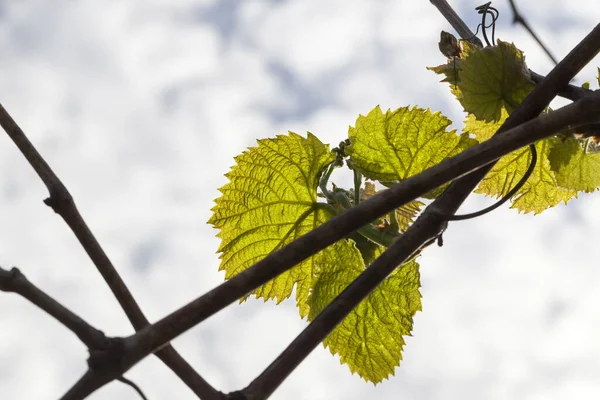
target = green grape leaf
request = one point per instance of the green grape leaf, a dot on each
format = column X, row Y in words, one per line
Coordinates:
column 450, row 71
column 573, row 167
column 540, row 192
column 407, row 214
column 270, row 200
column 493, row 78
column 396, row 145
column 468, row 49
column 370, row 339
column 585, row 85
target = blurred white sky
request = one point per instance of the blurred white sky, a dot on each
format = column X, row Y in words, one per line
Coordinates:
column 140, row 107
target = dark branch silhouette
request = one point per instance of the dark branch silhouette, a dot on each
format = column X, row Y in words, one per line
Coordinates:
column 62, row 203
column 134, row 386
column 14, row 281
column 519, row 19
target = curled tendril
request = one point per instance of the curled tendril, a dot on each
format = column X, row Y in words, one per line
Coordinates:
column 506, row 197
column 484, row 10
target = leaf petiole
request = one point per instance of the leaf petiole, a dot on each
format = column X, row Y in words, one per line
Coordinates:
column 357, row 184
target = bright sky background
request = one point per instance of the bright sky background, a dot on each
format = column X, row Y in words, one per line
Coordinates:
column 140, row 107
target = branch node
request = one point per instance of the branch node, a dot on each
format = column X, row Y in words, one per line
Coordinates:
column 60, row 199
column 109, row 357
column 237, row 395
column 8, row 279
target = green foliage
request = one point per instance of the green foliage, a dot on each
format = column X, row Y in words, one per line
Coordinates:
column 369, row 340
column 270, row 200
column 575, row 168
column 493, row 78
column 541, row 190
column 280, row 190
column 396, row 145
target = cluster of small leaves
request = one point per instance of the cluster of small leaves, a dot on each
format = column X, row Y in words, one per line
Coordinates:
column 490, row 83
column 279, row 190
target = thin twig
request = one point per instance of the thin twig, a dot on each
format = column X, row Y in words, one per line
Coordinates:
column 134, row 386
column 571, row 92
column 457, row 23
column 62, row 203
column 519, row 19
column 14, row 281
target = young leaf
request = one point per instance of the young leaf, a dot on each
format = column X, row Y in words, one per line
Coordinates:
column 370, row 339
column 449, row 45
column 492, row 78
column 270, row 200
column 540, row 192
column 573, row 167
column 399, row 144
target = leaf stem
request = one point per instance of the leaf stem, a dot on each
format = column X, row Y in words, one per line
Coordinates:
column 325, row 180
column 357, row 185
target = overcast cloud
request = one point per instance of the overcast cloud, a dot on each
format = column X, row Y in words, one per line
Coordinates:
column 140, row 107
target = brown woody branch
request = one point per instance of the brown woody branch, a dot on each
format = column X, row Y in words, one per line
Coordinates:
column 62, row 203
column 14, row 281
column 570, row 92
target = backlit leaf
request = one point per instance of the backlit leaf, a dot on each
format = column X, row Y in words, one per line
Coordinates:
column 540, row 192
column 370, row 339
column 493, row 78
column 573, row 167
column 270, row 200
column 396, row 145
